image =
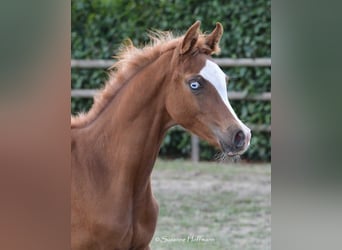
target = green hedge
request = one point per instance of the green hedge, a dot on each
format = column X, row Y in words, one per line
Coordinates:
column 100, row 26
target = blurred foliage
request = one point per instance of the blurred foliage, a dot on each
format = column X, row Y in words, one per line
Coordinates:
column 100, row 26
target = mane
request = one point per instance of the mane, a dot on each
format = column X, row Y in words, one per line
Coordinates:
column 130, row 59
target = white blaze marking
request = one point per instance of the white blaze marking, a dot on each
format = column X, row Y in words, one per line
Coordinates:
column 212, row 73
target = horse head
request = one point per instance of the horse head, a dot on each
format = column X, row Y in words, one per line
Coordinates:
column 197, row 96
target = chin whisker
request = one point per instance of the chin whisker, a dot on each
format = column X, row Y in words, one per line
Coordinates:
column 223, row 157
column 220, row 157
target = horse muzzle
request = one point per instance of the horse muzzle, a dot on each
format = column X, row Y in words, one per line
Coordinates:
column 235, row 141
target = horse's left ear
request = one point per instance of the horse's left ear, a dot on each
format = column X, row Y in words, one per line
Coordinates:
column 213, row 39
column 190, row 38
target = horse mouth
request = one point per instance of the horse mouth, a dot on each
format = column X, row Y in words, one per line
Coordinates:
column 230, row 150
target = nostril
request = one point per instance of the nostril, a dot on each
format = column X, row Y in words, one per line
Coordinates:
column 239, row 139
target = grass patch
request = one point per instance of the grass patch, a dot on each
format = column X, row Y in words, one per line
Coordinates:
column 212, row 206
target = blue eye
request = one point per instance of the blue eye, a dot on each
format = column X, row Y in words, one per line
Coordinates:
column 195, row 85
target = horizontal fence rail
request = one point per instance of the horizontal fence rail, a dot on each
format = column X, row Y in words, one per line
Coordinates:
column 253, row 127
column 232, row 95
column 223, row 62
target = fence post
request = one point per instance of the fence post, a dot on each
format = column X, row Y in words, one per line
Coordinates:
column 194, row 148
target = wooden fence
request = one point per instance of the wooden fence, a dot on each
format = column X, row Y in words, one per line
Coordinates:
column 223, row 62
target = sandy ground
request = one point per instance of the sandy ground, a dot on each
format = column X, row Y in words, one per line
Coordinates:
column 212, row 206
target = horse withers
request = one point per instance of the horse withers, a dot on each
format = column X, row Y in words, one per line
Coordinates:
column 114, row 146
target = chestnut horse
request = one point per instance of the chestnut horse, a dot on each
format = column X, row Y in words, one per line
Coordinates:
column 114, row 146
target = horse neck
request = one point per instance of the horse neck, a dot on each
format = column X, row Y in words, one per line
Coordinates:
column 127, row 135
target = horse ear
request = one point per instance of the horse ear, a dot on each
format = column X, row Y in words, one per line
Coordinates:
column 190, row 38
column 213, row 39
